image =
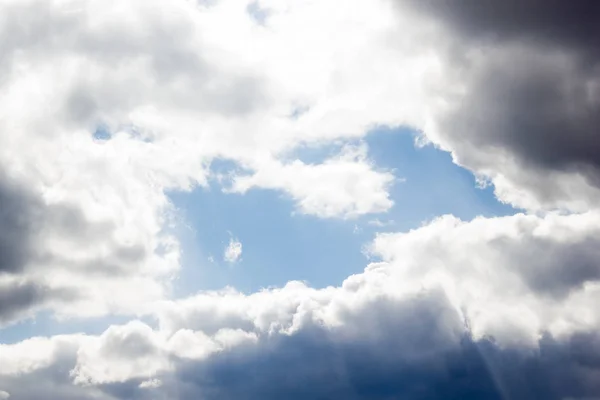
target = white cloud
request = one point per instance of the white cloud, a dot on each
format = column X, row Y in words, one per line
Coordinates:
column 151, row 384
column 512, row 278
column 35, row 353
column 346, row 185
column 233, row 251
column 4, row 395
column 121, row 353
column 380, row 224
column 187, row 88
column 515, row 279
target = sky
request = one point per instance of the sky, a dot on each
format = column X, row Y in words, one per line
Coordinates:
column 234, row 199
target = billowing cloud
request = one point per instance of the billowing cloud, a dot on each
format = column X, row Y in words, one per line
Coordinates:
column 451, row 310
column 523, row 109
column 171, row 86
column 346, row 185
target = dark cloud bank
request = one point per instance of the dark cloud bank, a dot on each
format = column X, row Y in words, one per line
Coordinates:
column 309, row 366
column 534, row 95
column 390, row 349
column 406, row 354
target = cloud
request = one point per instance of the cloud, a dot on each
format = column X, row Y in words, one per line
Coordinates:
column 380, row 224
column 452, row 310
column 345, row 185
column 488, row 308
column 18, row 298
column 233, row 251
column 523, row 109
column 512, row 278
column 544, row 22
column 519, row 275
column 4, row 395
column 164, row 78
column 311, row 366
column 18, row 217
column 365, row 339
column 121, row 353
column 151, row 384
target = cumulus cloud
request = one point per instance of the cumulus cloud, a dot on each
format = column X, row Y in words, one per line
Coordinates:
column 523, row 110
column 233, row 251
column 346, row 185
column 428, row 321
column 483, row 308
column 173, row 87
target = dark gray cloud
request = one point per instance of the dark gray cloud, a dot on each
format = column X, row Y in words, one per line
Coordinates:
column 25, row 220
column 388, row 350
column 551, row 266
column 19, row 297
column 537, row 106
column 532, row 75
column 312, row 366
column 572, row 24
column 19, row 220
column 23, row 217
column 315, row 364
column 404, row 351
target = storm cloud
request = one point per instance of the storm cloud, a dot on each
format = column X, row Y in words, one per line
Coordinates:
column 531, row 99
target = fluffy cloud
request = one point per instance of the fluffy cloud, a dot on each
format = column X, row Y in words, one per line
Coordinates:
column 173, row 86
column 233, row 251
column 513, row 277
column 345, row 185
column 451, row 310
column 523, row 109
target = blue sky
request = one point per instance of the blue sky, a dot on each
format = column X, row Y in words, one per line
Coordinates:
column 281, row 245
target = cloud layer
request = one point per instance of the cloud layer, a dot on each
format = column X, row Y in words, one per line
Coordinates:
column 107, row 106
column 452, row 310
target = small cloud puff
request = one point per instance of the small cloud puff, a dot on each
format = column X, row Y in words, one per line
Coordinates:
column 151, row 384
column 233, row 251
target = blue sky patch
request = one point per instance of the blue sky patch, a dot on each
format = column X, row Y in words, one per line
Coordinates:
column 280, row 244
